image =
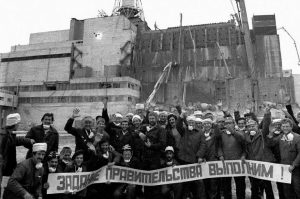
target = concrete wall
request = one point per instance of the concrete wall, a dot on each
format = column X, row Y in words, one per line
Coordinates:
column 39, row 70
column 51, row 36
column 116, row 32
column 268, row 56
column 297, row 88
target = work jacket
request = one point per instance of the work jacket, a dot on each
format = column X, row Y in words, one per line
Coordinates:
column 192, row 146
column 38, row 134
column 25, row 179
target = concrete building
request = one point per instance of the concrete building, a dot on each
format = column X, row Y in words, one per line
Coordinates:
column 60, row 70
column 201, row 74
column 119, row 57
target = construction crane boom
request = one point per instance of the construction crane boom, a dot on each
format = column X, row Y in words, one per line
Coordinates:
column 249, row 50
column 294, row 41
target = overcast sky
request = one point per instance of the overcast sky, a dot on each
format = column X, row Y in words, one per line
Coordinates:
column 19, row 18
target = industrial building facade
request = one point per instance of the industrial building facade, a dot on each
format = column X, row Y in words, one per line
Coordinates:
column 79, row 67
column 121, row 58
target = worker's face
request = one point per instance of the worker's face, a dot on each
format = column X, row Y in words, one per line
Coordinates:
column 136, row 122
column 198, row 125
column 286, row 128
column 67, row 156
column 169, row 155
column 241, row 124
column 39, row 156
column 229, row 124
column 252, row 127
column 104, row 147
column 127, row 154
column 191, row 123
column 118, row 120
column 277, row 126
column 207, row 126
column 53, row 162
column 172, row 121
column 162, row 117
column 152, row 120
column 124, row 125
column 79, row 160
column 129, row 117
column 87, row 123
column 47, row 120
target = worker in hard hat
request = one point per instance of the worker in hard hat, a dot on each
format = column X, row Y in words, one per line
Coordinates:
column 8, row 143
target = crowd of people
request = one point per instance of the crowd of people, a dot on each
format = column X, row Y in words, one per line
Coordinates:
column 148, row 140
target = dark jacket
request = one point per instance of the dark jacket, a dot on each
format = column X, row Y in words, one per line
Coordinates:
column 233, row 145
column 38, row 134
column 81, row 137
column 121, row 140
column 171, row 138
column 192, row 146
column 157, row 137
column 289, row 151
column 25, row 179
column 8, row 143
column 256, row 146
column 212, row 143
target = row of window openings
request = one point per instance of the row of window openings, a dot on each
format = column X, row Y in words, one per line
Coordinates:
column 71, row 87
column 74, row 99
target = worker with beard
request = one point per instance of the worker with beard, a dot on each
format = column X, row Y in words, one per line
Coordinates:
column 258, row 150
column 212, row 140
column 192, row 150
column 232, row 147
column 174, row 131
column 44, row 132
column 26, row 180
column 51, row 166
column 154, row 138
column 171, row 191
column 84, row 136
column 289, row 147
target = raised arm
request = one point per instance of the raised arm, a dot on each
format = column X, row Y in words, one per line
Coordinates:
column 69, row 125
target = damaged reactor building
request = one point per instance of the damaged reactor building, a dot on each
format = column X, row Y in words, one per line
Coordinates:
column 121, row 58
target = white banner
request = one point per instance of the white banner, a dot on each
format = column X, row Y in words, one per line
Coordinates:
column 62, row 182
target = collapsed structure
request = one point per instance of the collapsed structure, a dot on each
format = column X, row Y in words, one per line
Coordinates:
column 119, row 57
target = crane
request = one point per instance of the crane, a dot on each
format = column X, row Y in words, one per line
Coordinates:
column 249, row 50
column 295, row 44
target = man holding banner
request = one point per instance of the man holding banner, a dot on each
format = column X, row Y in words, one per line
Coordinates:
column 192, row 149
column 232, row 148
